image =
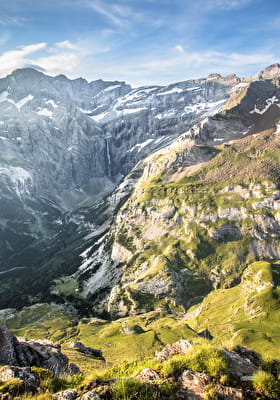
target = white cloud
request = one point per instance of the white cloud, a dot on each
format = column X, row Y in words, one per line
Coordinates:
column 13, row 59
column 66, row 44
column 114, row 14
column 61, row 63
column 180, row 49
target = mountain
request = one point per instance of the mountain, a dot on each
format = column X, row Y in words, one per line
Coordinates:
column 125, row 200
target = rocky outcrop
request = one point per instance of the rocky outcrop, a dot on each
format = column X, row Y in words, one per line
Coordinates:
column 180, row 347
column 86, row 350
column 41, row 353
column 30, row 380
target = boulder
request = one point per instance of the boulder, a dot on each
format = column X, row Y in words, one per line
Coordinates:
column 148, row 375
column 40, row 353
column 192, row 385
column 92, row 395
column 9, row 373
column 7, row 347
column 240, row 366
column 180, row 347
column 229, row 393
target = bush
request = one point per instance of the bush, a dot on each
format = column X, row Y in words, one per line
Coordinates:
column 63, row 382
column 42, row 373
column 175, row 366
column 200, row 358
column 132, row 389
column 266, row 384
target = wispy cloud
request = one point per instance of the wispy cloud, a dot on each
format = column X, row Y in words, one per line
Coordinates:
column 115, row 14
column 66, row 44
column 12, row 20
column 228, row 4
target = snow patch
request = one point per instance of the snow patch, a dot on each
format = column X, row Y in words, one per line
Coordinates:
column 269, row 102
column 52, row 103
column 194, row 88
column 171, row 91
column 45, row 112
column 112, row 87
column 99, row 117
column 210, row 108
column 140, row 146
column 19, row 104
column 131, row 110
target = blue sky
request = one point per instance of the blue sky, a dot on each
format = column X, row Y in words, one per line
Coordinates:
column 139, row 41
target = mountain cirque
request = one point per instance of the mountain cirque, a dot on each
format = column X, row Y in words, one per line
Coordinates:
column 124, row 201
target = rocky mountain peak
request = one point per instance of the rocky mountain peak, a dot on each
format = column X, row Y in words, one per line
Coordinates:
column 270, row 72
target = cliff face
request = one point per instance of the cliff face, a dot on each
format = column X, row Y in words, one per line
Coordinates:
column 69, row 151
column 197, row 216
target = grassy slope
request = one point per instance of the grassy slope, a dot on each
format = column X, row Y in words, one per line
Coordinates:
column 247, row 314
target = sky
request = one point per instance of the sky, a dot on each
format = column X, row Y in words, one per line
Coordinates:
column 142, row 42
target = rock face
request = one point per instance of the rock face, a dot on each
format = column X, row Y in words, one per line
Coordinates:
column 66, row 168
column 41, row 353
column 68, row 144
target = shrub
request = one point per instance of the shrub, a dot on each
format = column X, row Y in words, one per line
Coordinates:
column 132, row 389
column 175, row 366
column 63, row 382
column 42, row 373
column 199, row 358
column 265, row 383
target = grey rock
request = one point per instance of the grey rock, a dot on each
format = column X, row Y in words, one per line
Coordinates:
column 148, row 375
column 40, row 353
column 70, row 394
column 240, row 366
column 92, row 395
column 84, row 349
column 180, row 347
column 192, row 385
column 31, row 381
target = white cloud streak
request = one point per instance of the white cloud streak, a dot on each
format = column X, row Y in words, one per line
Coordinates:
column 228, row 4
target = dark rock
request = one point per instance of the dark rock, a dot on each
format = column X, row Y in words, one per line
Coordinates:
column 205, row 334
column 7, row 347
column 41, row 353
column 86, row 350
